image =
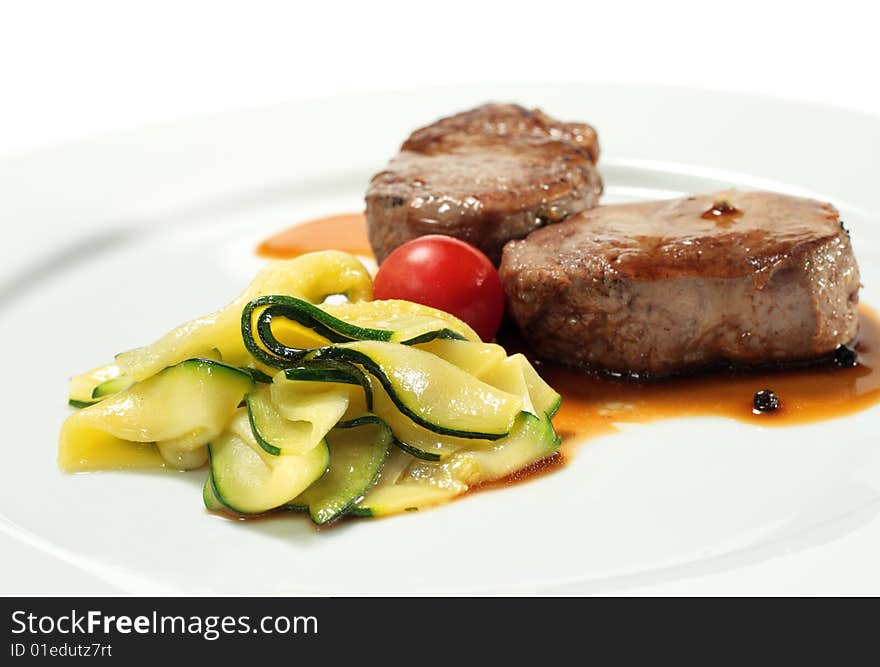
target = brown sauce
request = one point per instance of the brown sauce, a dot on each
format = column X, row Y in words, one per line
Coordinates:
column 346, row 232
column 593, row 403
column 722, row 211
column 534, row 470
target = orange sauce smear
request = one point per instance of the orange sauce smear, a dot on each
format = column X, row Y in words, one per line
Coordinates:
column 347, row 232
column 593, row 403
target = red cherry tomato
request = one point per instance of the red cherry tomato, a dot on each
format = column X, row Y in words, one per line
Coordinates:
column 448, row 274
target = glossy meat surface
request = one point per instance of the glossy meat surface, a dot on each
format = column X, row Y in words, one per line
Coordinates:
column 488, row 175
column 660, row 287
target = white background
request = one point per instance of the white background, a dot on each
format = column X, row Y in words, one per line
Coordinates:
column 73, row 69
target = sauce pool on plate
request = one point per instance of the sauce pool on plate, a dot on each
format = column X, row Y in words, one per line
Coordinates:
column 347, row 232
column 592, row 404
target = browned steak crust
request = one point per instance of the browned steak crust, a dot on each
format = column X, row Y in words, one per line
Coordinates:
column 486, row 176
column 660, row 287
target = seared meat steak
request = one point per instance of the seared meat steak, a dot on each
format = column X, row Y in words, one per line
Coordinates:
column 486, row 176
column 659, row 287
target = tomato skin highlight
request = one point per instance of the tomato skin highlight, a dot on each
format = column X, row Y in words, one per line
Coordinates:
column 448, row 274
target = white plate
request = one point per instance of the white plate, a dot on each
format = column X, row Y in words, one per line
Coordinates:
column 109, row 243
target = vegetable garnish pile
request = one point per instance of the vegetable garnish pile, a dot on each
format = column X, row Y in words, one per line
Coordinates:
column 364, row 408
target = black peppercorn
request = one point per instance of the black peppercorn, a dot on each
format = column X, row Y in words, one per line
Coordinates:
column 765, row 401
column 845, row 357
